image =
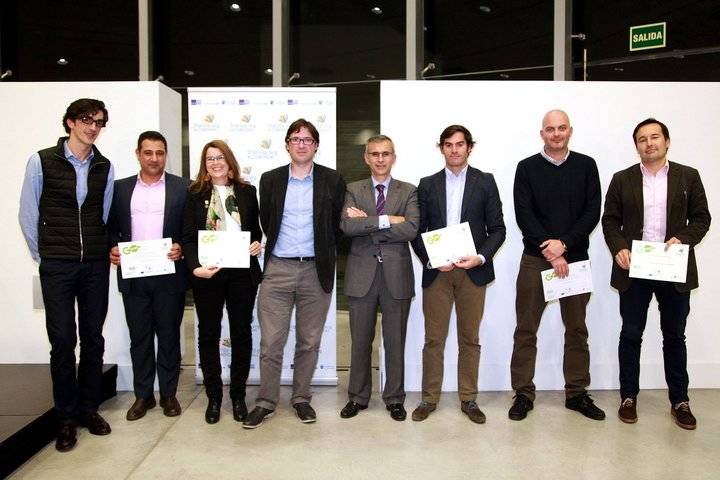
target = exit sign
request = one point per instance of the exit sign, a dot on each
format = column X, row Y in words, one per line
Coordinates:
column 644, row 37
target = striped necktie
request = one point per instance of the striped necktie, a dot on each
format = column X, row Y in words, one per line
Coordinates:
column 380, row 206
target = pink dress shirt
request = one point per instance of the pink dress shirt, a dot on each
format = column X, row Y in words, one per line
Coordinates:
column 147, row 210
column 654, row 203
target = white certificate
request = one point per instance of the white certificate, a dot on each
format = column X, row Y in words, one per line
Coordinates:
column 224, row 249
column 447, row 245
column 146, row 258
column 650, row 260
column 579, row 280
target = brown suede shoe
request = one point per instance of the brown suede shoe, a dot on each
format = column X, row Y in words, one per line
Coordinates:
column 170, row 406
column 473, row 412
column 423, row 411
column 683, row 416
column 140, row 408
column 628, row 410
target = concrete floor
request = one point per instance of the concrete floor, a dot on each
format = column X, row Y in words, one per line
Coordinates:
column 552, row 443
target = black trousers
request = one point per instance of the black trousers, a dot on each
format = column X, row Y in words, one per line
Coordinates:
column 63, row 282
column 674, row 308
column 232, row 288
column 150, row 310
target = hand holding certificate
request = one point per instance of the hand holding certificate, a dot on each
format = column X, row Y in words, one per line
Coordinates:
column 224, row 249
column 579, row 280
column 146, row 258
column 650, row 260
column 449, row 244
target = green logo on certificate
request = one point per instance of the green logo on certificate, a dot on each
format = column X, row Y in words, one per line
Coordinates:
column 130, row 249
column 208, row 238
column 435, row 237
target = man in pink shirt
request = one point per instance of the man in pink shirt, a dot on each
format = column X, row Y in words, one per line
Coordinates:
column 656, row 201
column 150, row 206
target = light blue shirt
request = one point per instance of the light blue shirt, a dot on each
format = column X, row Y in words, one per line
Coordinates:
column 454, row 191
column 383, row 220
column 297, row 237
column 32, row 188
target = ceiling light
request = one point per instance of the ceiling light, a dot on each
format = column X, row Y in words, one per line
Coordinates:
column 62, row 61
column 376, row 10
column 484, row 9
column 189, row 73
column 268, row 71
column 235, row 7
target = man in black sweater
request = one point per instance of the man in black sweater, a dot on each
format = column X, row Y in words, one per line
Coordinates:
column 557, row 205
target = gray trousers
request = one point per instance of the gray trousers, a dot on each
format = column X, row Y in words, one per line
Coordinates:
column 363, row 316
column 287, row 284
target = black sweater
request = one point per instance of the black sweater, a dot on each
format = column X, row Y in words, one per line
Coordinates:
column 557, row 201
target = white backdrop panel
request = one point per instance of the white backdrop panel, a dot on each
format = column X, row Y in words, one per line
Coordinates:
column 505, row 120
column 253, row 122
column 31, row 120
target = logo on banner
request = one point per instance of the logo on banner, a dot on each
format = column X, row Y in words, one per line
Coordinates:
column 243, row 101
column 292, row 101
column 195, row 101
column 265, row 143
column 246, row 124
column 207, row 125
column 320, row 119
column 283, row 118
column 246, row 118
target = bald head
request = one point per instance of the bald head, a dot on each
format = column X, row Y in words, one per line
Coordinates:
column 556, row 132
column 554, row 116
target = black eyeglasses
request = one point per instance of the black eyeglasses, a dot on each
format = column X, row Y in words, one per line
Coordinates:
column 305, row 141
column 88, row 120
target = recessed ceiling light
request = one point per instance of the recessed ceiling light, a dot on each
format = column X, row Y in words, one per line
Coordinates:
column 504, row 76
column 62, row 61
column 267, row 71
column 376, row 10
column 189, row 73
column 235, row 7
column 484, row 9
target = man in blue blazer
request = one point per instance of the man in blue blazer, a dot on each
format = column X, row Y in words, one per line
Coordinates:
column 456, row 194
column 150, row 206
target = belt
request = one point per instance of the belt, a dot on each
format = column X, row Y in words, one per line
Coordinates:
column 298, row 259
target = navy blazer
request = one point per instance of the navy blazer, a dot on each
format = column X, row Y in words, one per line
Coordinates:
column 328, row 199
column 119, row 225
column 481, row 208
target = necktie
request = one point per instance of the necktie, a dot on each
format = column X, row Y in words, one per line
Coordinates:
column 380, row 207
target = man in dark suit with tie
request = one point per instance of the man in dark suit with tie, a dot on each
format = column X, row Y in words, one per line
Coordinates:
column 655, row 201
column 381, row 215
column 300, row 207
column 458, row 193
column 149, row 206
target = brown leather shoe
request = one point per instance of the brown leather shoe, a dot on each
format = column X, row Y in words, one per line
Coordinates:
column 423, row 411
column 170, row 406
column 94, row 423
column 140, row 408
column 66, row 438
column 473, row 412
column 683, row 416
column 628, row 410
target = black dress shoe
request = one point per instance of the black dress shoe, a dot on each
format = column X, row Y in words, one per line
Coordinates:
column 94, row 423
column 240, row 410
column 66, row 438
column 584, row 404
column 140, row 408
column 397, row 411
column 351, row 409
column 171, row 406
column 520, row 407
column 212, row 413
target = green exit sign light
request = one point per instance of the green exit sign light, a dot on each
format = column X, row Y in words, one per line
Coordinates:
column 643, row 37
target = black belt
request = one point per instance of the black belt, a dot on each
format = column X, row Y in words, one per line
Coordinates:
column 298, row 259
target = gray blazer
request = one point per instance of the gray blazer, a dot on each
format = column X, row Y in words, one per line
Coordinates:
column 368, row 239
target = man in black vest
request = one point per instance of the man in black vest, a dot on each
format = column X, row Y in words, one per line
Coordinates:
column 64, row 205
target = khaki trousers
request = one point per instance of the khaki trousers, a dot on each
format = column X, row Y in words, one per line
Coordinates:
column 451, row 287
column 529, row 306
